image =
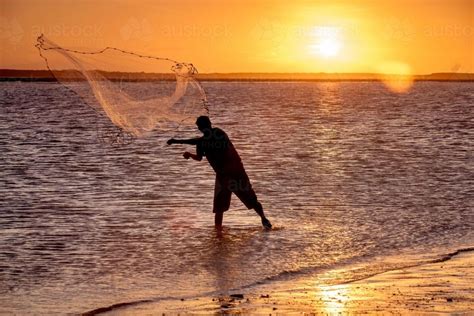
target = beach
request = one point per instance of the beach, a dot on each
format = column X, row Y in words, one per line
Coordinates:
column 433, row 288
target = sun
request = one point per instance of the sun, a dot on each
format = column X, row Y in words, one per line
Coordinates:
column 328, row 41
column 329, row 47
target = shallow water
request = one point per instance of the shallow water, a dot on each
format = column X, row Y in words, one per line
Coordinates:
column 347, row 172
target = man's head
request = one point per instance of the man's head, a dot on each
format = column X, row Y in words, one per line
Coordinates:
column 203, row 123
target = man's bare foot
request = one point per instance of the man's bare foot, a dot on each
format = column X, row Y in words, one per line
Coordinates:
column 266, row 223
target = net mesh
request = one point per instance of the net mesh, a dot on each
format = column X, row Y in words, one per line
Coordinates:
column 137, row 92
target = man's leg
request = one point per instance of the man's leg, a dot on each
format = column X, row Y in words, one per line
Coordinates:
column 218, row 220
column 259, row 209
column 243, row 189
column 222, row 196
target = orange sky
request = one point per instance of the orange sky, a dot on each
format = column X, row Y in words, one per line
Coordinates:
column 417, row 36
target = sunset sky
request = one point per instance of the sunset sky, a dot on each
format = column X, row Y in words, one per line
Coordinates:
column 416, row 36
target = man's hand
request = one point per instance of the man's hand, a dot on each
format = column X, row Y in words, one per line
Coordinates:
column 187, row 155
column 171, row 141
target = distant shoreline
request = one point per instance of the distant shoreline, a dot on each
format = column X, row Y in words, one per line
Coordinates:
column 46, row 76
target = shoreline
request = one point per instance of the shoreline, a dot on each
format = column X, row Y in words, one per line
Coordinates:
column 442, row 285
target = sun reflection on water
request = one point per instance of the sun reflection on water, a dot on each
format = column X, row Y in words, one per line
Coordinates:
column 334, row 298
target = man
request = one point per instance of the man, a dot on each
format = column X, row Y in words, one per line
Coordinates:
column 230, row 173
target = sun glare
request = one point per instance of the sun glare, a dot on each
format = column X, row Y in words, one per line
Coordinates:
column 329, row 47
column 327, row 41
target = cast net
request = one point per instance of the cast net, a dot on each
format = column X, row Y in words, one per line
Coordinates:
column 137, row 92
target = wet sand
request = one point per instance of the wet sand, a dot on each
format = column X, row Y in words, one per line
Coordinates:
column 442, row 287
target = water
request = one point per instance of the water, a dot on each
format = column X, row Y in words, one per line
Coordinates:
column 347, row 172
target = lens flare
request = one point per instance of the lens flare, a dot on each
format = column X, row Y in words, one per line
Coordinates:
column 396, row 76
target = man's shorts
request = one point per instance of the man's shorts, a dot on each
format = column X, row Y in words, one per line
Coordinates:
column 239, row 184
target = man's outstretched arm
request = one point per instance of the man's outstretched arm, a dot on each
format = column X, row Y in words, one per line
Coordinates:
column 190, row 141
column 188, row 155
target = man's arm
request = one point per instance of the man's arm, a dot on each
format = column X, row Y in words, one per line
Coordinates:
column 191, row 141
column 188, row 155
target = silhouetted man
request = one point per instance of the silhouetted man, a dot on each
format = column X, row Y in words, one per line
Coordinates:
column 230, row 173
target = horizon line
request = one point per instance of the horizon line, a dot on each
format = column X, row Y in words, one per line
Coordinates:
column 256, row 73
